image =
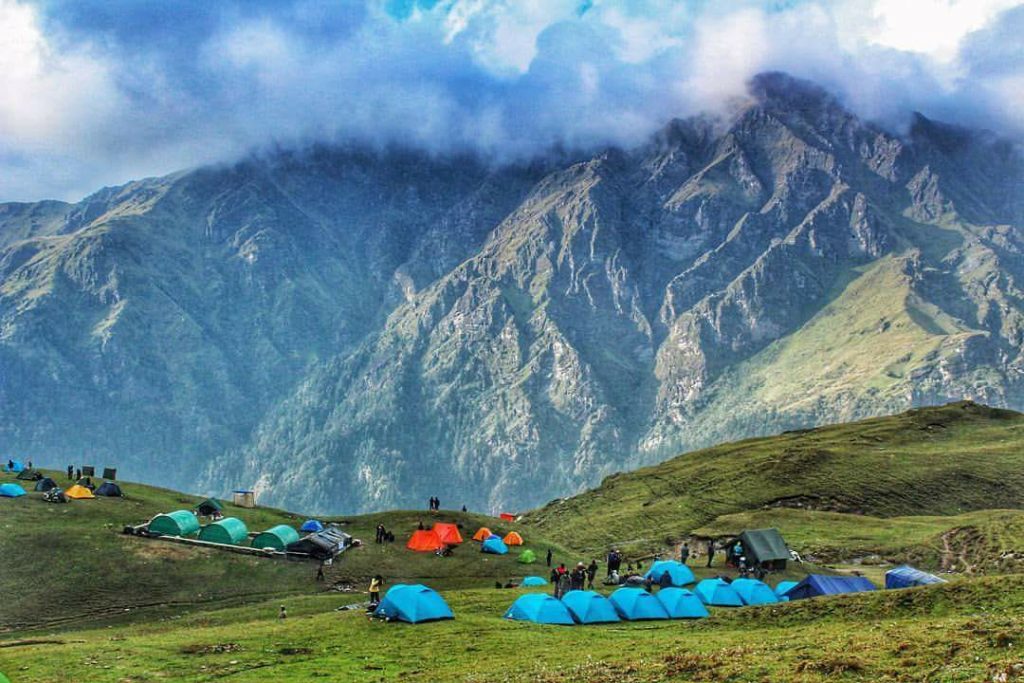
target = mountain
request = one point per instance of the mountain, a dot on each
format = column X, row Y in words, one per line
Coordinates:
column 354, row 330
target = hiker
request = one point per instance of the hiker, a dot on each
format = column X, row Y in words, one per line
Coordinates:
column 549, row 557
column 375, row 583
column 320, row 572
column 591, row 573
column 665, row 580
column 10, row 464
column 464, row 509
column 737, row 550
column 71, row 471
column 684, row 553
column 437, row 503
column 711, row 550
column 30, row 464
column 553, row 578
column 282, row 613
column 577, row 577
column 564, row 581
column 421, row 525
column 78, row 473
column 614, row 561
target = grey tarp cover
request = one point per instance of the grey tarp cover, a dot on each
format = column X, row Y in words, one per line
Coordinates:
column 764, row 545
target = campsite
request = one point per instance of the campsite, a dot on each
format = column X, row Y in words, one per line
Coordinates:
column 199, row 611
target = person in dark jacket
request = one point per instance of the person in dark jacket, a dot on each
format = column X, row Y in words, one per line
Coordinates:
column 591, row 573
column 549, row 557
column 711, row 550
column 71, row 471
column 684, row 553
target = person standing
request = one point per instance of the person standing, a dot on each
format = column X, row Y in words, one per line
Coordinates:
column 711, row 550
column 553, row 578
column 71, row 471
column 591, row 573
column 684, row 553
column 549, row 557
column 375, row 584
column 564, row 582
column 320, row 572
column 437, row 503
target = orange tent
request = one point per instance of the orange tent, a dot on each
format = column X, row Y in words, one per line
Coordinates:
column 513, row 538
column 508, row 516
column 448, row 533
column 424, row 542
column 481, row 534
column 78, row 492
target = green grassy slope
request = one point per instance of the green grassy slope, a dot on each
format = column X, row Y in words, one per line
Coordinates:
column 966, row 631
column 64, row 565
column 933, row 461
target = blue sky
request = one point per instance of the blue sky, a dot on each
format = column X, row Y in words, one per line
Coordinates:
column 97, row 92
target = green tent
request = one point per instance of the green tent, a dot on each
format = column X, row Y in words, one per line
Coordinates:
column 177, row 523
column 765, row 547
column 209, row 507
column 229, row 531
column 276, row 537
column 527, row 557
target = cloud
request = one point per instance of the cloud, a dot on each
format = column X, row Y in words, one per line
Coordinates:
column 97, row 92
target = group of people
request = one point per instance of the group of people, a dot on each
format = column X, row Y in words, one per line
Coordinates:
column 579, row 577
column 435, row 503
column 384, row 536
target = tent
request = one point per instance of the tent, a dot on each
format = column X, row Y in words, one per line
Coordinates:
column 507, row 516
column 448, row 533
column 45, row 484
column 29, row 475
column 718, row 592
column 14, row 467
column 533, row 581
column 908, row 577
column 229, row 531
column 539, row 608
column 325, row 544
column 177, row 523
column 276, row 537
column 782, row 588
column 11, row 490
column 765, row 547
column 754, row 592
column 423, row 541
column 210, row 507
column 681, row 603
column 110, row 490
column 494, row 546
column 815, row 585
column 677, row 571
column 482, row 534
column 513, row 538
column 493, row 537
column 588, row 607
column 636, row 604
column 311, row 525
column 78, row 492
column 413, row 603
column 527, row 557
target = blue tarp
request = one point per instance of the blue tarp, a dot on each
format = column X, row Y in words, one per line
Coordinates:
column 413, row 603
column 531, row 581
column 636, row 604
column 908, row 577
column 311, row 525
column 677, row 571
column 718, row 592
column 782, row 588
column 539, row 608
column 754, row 592
column 495, row 546
column 11, row 491
column 681, row 603
column 816, row 585
column 588, row 607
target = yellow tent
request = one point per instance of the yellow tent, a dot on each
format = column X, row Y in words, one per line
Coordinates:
column 513, row 538
column 77, row 491
column 482, row 534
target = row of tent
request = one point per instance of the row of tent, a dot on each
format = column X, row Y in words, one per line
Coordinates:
column 443, row 534
column 321, row 542
column 77, row 492
column 589, row 607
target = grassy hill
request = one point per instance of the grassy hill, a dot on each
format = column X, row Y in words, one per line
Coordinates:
column 67, row 565
column 946, row 460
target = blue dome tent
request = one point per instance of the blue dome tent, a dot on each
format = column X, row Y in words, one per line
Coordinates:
column 636, row 604
column 816, row 585
column 718, row 592
column 754, row 592
column 784, row 587
column 494, row 546
column 678, row 572
column 413, row 603
column 16, row 466
column 681, row 604
column 539, row 608
column 588, row 607
column 11, row 490
column 533, row 581
column 908, row 577
column 312, row 526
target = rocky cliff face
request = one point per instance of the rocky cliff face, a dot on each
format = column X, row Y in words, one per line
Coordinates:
column 353, row 331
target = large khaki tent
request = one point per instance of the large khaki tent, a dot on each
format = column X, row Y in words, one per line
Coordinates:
column 277, row 537
column 177, row 523
column 765, row 547
column 229, row 531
